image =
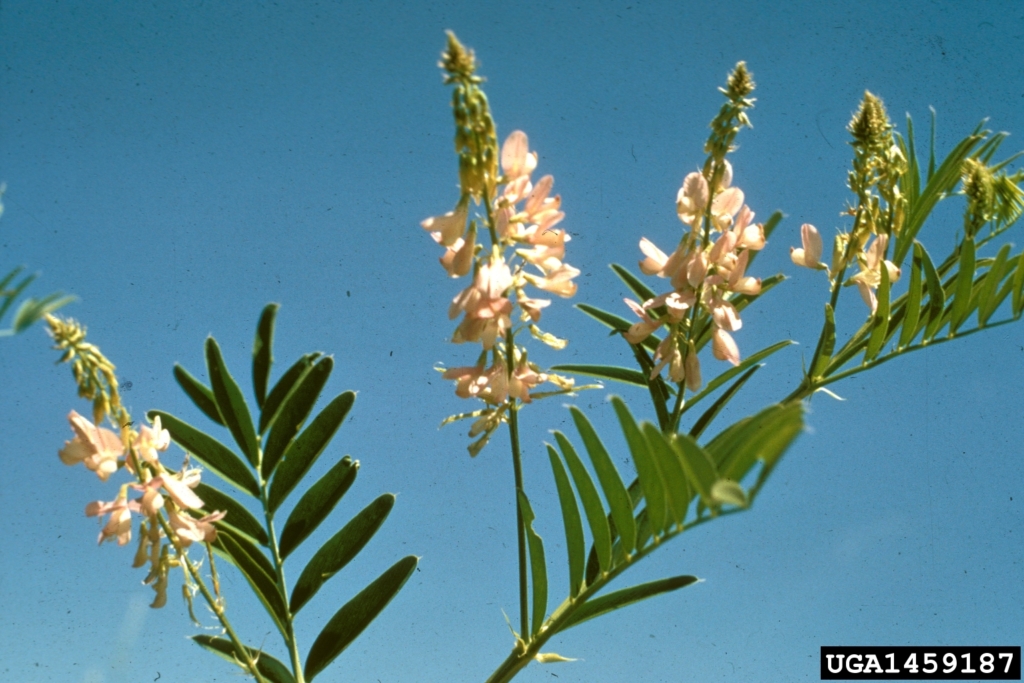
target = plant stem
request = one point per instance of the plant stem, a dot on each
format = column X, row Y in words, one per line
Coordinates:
column 517, row 466
column 523, row 654
column 215, row 605
column 282, row 585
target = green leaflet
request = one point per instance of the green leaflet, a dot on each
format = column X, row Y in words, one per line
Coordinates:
column 936, row 295
column 764, row 436
column 962, row 289
column 340, row 549
column 355, row 615
column 32, row 310
column 650, row 477
column 1018, row 287
column 10, row 295
column 574, row 544
column 880, row 320
column 293, row 413
column 711, row 413
column 591, row 502
column 940, row 182
column 538, row 567
column 726, row 491
column 987, row 300
column 207, row 450
column 915, row 293
column 732, row 372
column 616, row 323
column 624, row 375
column 633, row 282
column 254, row 566
column 199, row 393
column 612, row 484
column 230, row 402
column 627, row 596
column 271, row 669
column 238, row 517
column 700, row 469
column 262, row 353
column 671, row 469
column 284, row 387
column 317, row 503
column 305, row 450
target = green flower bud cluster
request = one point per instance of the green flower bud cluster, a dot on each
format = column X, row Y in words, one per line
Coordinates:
column 476, row 140
column 878, row 164
column 93, row 373
column 730, row 119
column 979, row 188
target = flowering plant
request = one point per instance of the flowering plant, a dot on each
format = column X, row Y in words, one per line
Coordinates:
column 177, row 509
column 503, row 234
column 683, row 480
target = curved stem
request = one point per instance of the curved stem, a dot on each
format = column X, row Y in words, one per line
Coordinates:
column 215, row 605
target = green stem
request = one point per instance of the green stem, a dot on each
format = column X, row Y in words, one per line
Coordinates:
column 215, row 605
column 524, row 653
column 282, row 585
column 517, row 466
column 809, row 387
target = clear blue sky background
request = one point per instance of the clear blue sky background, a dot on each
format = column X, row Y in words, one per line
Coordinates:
column 178, row 165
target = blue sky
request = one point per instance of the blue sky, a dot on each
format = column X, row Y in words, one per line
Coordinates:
column 179, row 165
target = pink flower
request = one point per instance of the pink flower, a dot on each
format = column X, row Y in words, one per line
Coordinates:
column 97, row 447
column 516, row 159
column 487, row 309
column 809, row 255
column 531, row 307
column 548, row 250
column 191, row 530
column 692, row 199
column 643, row 329
column 741, row 283
column 152, row 439
column 725, row 315
column 870, row 275
column 748, row 236
column 448, row 228
column 468, row 380
column 179, row 486
column 119, row 524
column 523, row 379
column 691, row 367
column 723, row 346
column 458, row 258
column 558, row 281
column 724, row 206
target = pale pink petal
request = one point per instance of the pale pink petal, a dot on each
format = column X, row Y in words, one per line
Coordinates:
column 723, row 347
